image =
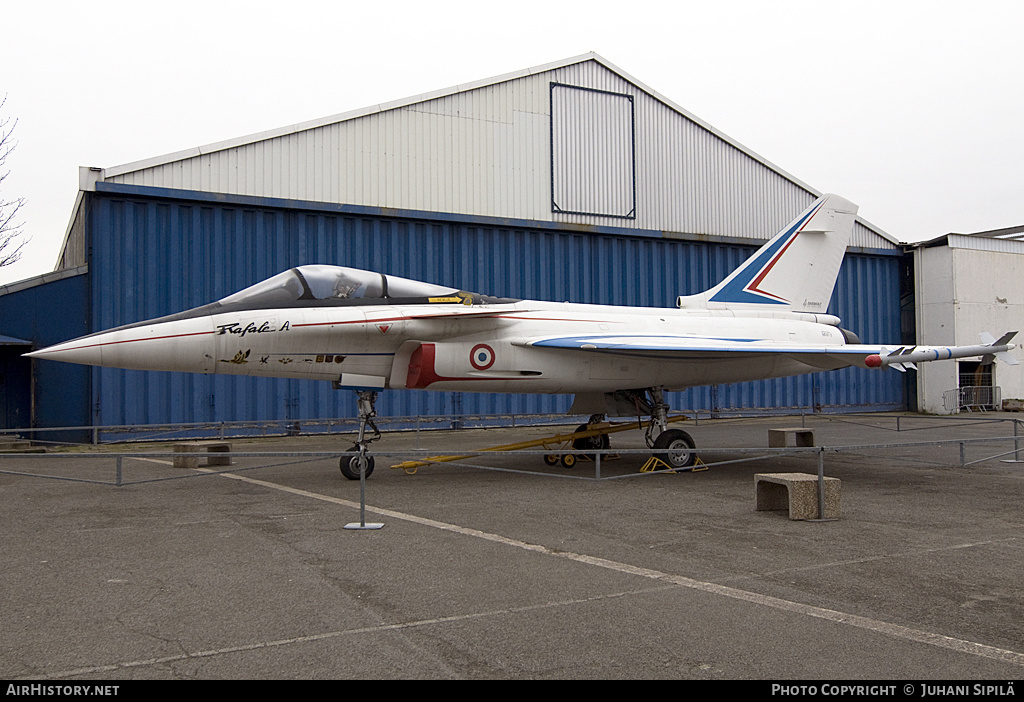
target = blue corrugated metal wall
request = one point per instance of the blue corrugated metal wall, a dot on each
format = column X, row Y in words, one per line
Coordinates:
column 47, row 314
column 158, row 255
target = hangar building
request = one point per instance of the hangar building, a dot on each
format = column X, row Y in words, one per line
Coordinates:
column 568, row 181
column 967, row 284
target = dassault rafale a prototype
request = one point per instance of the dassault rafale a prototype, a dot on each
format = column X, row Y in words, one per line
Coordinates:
column 369, row 331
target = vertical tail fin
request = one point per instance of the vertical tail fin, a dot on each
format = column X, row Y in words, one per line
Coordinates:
column 796, row 270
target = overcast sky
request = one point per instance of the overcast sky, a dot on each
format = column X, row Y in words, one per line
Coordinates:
column 911, row 109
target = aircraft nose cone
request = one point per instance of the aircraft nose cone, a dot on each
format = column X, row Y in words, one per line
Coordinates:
column 185, row 345
column 84, row 350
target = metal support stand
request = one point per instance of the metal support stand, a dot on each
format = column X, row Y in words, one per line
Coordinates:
column 821, row 490
column 362, row 498
column 367, row 398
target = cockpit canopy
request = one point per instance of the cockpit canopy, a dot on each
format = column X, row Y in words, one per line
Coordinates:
column 320, row 285
column 340, row 285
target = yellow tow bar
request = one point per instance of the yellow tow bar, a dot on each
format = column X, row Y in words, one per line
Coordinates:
column 558, row 442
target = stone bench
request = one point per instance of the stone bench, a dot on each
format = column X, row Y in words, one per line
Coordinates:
column 797, row 492
column 218, row 454
column 777, row 438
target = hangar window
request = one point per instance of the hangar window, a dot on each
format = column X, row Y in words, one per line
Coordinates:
column 593, row 160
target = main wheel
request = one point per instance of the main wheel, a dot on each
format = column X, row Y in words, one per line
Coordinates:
column 349, row 464
column 676, row 448
column 594, row 443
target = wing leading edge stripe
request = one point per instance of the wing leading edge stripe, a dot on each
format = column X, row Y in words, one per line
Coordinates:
column 736, row 346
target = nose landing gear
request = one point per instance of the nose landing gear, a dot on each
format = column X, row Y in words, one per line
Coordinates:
column 357, row 461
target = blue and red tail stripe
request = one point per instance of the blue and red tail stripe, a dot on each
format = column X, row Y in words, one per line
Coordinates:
column 744, row 287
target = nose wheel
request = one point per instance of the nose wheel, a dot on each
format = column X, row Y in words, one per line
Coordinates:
column 351, row 463
column 357, row 462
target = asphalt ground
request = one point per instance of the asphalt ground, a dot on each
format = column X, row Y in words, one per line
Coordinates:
column 527, row 572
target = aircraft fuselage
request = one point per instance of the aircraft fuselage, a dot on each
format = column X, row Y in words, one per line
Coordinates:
column 457, row 347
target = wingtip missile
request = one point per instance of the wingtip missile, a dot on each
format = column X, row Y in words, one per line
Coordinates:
column 905, row 357
column 996, row 344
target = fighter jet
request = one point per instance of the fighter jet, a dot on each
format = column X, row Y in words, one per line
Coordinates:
column 370, row 331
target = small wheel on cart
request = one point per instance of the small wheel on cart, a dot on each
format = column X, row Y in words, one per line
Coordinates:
column 551, row 459
column 568, row 460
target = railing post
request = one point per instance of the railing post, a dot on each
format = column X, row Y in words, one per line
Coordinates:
column 821, row 483
column 1016, row 443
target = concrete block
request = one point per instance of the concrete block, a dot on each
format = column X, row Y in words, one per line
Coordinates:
column 797, row 492
column 218, row 453
column 777, row 438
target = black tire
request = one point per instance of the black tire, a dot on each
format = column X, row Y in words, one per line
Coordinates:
column 676, row 448
column 551, row 459
column 349, row 464
column 601, row 442
column 568, row 460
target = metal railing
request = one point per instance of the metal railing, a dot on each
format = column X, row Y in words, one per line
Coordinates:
column 237, row 429
column 93, row 466
column 96, row 463
column 973, row 397
column 116, row 433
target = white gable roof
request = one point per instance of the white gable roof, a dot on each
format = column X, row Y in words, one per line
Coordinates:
column 489, row 148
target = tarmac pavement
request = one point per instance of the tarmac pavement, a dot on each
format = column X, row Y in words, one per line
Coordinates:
column 528, row 572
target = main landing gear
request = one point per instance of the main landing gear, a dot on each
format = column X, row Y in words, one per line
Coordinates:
column 357, row 460
column 674, row 447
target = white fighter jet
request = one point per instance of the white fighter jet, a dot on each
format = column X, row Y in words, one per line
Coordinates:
column 369, row 331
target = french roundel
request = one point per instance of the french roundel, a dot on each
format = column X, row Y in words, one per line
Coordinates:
column 481, row 357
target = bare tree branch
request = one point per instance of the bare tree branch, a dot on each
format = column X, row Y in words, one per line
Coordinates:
column 12, row 240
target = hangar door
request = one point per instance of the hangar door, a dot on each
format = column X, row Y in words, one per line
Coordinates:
column 593, row 159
